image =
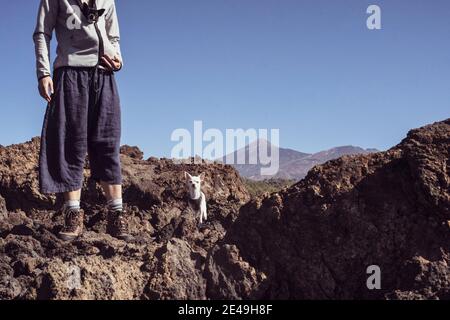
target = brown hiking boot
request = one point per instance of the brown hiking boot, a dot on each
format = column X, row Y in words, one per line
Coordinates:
column 73, row 224
column 118, row 225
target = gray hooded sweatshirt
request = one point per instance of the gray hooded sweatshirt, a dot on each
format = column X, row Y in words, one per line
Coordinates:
column 82, row 38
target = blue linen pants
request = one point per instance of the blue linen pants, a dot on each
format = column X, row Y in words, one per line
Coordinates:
column 83, row 118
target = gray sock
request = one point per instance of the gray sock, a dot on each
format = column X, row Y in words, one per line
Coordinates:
column 115, row 205
column 71, row 204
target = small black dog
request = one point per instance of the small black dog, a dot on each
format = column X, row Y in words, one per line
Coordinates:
column 90, row 11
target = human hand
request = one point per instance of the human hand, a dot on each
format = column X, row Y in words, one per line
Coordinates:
column 112, row 64
column 46, row 88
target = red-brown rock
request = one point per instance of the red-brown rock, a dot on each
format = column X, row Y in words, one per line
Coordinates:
column 316, row 240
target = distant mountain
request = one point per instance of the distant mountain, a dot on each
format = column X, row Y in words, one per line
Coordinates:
column 294, row 164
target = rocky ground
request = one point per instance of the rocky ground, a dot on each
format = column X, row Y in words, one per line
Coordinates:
column 165, row 261
column 313, row 240
column 316, row 239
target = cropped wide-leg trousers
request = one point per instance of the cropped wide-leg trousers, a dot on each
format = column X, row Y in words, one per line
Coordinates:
column 83, row 118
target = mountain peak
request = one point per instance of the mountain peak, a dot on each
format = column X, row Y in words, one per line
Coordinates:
column 293, row 164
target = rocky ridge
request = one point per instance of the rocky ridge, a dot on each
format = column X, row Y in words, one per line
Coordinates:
column 314, row 240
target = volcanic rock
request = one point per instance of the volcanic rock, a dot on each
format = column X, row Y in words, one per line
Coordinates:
column 316, row 239
column 35, row 264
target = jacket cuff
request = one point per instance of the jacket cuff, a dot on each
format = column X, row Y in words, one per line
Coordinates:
column 42, row 76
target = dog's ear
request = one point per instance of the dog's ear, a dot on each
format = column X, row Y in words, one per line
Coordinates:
column 101, row 12
column 187, row 176
column 202, row 176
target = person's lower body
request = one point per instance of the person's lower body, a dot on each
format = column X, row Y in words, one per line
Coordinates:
column 82, row 119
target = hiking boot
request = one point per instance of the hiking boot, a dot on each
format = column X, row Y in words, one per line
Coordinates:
column 118, row 225
column 73, row 224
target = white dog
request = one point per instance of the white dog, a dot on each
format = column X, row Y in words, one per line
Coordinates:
column 197, row 199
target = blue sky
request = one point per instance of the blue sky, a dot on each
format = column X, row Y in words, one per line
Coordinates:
column 310, row 68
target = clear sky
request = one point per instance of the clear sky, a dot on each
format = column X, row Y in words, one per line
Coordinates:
column 308, row 67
